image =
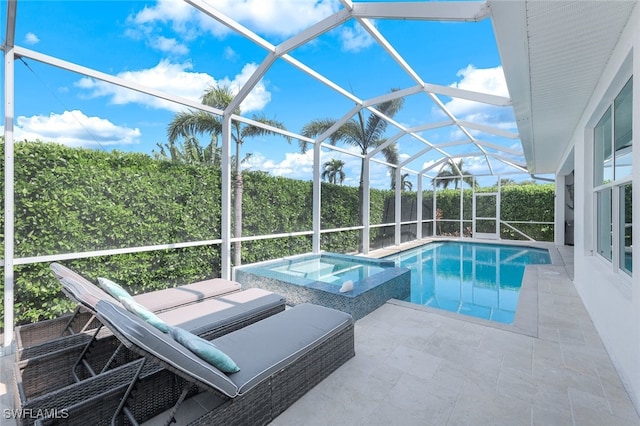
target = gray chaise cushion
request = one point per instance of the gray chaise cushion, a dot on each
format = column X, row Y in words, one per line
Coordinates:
column 198, row 318
column 162, row 346
column 78, row 288
column 262, row 348
column 88, row 294
column 224, row 310
column 170, row 298
column 259, row 349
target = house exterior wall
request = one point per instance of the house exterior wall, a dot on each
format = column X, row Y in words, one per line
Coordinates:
column 611, row 296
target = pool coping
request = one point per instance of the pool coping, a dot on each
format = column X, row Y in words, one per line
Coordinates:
column 526, row 317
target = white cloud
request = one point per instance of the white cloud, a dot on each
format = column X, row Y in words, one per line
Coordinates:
column 276, row 18
column 169, row 45
column 477, row 165
column 74, row 128
column 429, row 163
column 259, row 96
column 230, row 54
column 483, row 80
column 281, row 18
column 269, row 18
column 356, row 38
column 296, row 165
column 176, row 79
column 183, row 18
column 151, row 35
column 31, row 39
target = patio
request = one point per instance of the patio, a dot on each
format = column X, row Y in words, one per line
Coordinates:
column 415, row 365
column 420, row 366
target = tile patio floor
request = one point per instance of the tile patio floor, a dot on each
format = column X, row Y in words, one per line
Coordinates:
column 417, row 366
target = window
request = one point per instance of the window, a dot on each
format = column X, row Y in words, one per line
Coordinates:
column 622, row 133
column 625, row 228
column 604, row 223
column 602, row 140
column 612, row 146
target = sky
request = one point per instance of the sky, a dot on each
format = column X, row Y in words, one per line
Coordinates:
column 170, row 46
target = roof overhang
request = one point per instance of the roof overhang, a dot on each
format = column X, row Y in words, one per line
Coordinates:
column 553, row 54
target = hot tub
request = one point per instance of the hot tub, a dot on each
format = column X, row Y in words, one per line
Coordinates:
column 318, row 279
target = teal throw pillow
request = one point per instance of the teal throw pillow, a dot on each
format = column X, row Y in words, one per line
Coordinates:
column 204, row 349
column 142, row 312
column 114, row 289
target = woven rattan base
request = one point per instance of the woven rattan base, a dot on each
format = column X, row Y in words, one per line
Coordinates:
column 45, row 383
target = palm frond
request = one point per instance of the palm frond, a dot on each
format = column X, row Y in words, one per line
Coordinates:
column 252, row 131
column 187, row 124
column 351, row 134
column 376, row 126
column 315, row 128
column 219, row 97
column 390, row 152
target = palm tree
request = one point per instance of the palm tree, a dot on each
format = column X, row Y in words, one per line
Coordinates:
column 450, row 174
column 332, row 171
column 365, row 134
column 406, row 184
column 188, row 124
column 190, row 151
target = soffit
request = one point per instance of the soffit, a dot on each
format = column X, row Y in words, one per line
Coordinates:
column 554, row 53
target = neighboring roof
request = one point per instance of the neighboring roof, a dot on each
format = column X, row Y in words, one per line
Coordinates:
column 553, row 54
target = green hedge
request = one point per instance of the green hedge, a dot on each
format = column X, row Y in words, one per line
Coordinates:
column 528, row 202
column 75, row 200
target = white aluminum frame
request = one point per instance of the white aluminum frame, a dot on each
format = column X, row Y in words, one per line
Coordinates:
column 361, row 13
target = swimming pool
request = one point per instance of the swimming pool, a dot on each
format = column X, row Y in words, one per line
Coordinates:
column 475, row 279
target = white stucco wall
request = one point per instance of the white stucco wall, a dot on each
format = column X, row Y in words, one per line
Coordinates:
column 612, row 298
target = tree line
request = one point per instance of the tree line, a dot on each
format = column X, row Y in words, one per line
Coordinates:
column 365, row 133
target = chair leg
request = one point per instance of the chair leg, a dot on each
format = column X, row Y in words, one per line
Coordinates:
column 87, row 324
column 81, row 359
column 122, row 406
column 67, row 327
column 112, row 358
column 174, row 410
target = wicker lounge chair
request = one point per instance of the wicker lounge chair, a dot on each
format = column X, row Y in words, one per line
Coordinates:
column 47, row 336
column 208, row 318
column 280, row 359
column 72, row 375
column 74, row 366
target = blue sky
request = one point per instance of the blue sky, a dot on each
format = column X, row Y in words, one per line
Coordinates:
column 170, row 46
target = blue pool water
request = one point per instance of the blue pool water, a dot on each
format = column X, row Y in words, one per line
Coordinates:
column 332, row 270
column 480, row 280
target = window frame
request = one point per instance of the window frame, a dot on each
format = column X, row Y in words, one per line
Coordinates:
column 615, row 185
